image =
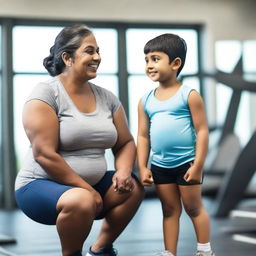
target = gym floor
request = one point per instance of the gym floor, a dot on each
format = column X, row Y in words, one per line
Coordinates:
column 142, row 237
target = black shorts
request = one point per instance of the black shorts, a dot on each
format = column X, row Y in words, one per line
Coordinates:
column 171, row 175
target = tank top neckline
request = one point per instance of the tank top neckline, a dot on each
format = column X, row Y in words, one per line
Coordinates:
column 169, row 99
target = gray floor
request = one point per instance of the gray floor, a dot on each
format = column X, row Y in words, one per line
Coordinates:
column 143, row 236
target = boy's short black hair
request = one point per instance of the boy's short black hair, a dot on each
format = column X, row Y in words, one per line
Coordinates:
column 171, row 44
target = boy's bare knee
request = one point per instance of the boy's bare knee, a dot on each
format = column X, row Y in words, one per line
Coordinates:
column 170, row 211
column 193, row 212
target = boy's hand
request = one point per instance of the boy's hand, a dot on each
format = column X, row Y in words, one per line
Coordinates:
column 193, row 175
column 146, row 177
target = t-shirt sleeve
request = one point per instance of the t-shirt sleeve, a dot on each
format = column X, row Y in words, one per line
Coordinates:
column 45, row 93
column 110, row 99
column 114, row 103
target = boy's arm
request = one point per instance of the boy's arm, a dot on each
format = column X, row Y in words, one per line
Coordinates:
column 143, row 147
column 199, row 119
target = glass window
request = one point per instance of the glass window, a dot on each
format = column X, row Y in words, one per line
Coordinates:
column 222, row 92
column 1, row 145
column 228, row 53
column 31, row 45
column 138, row 86
column 249, row 53
column 249, row 61
column 243, row 126
column 107, row 42
column 138, row 82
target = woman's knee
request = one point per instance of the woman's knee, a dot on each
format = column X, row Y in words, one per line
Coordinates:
column 77, row 200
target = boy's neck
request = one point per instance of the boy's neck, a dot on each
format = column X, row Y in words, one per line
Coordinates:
column 169, row 85
column 164, row 92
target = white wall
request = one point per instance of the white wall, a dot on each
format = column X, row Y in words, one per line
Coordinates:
column 226, row 19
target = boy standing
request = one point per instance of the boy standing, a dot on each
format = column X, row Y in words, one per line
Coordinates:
column 173, row 127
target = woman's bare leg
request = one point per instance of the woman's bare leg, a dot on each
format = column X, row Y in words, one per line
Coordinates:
column 76, row 214
column 120, row 210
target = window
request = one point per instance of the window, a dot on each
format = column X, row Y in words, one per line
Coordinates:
column 27, row 43
column 30, row 46
column 138, row 82
column 228, row 54
column 249, row 63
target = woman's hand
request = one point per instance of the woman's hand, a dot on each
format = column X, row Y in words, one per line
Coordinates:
column 123, row 182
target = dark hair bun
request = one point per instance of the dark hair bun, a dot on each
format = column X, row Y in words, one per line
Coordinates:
column 49, row 65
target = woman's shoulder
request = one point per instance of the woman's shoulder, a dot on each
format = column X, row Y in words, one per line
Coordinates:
column 101, row 90
column 147, row 96
column 186, row 92
column 107, row 98
column 48, row 85
column 105, row 94
column 46, row 91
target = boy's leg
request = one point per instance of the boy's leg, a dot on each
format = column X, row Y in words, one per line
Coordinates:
column 171, row 206
column 192, row 201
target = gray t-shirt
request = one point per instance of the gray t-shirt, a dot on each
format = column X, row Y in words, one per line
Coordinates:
column 83, row 137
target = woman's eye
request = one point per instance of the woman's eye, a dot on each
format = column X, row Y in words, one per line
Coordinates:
column 89, row 52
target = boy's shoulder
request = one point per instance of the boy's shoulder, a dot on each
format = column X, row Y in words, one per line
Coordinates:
column 147, row 95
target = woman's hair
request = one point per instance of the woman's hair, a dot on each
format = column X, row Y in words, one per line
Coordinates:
column 171, row 44
column 68, row 40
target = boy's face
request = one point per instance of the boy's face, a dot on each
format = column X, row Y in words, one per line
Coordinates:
column 158, row 66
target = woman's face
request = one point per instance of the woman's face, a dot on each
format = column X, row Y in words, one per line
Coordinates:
column 86, row 59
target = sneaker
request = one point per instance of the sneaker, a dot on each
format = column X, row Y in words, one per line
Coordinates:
column 165, row 253
column 200, row 253
column 106, row 251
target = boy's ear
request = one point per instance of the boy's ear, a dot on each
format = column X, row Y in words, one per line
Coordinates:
column 66, row 59
column 176, row 63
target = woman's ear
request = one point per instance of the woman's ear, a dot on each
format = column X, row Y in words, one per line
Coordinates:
column 66, row 59
column 176, row 63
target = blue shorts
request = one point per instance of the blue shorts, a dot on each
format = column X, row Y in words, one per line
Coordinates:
column 38, row 199
column 171, row 175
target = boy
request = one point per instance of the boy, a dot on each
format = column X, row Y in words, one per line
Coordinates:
column 173, row 127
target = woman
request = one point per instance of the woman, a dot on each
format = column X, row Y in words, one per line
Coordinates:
column 70, row 122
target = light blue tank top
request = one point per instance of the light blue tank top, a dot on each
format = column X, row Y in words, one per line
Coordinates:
column 172, row 135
